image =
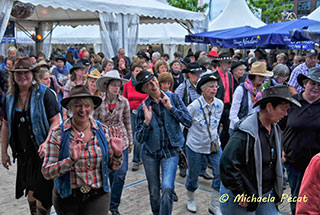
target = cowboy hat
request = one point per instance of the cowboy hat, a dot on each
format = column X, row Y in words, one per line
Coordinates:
column 260, row 68
column 94, row 74
column 78, row 65
column 204, row 79
column 194, row 68
column 277, row 92
column 143, row 77
column 313, row 74
column 80, row 91
column 23, row 64
column 103, row 80
column 223, row 57
column 42, row 63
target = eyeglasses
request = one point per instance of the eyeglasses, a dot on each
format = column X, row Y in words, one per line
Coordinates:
column 79, row 106
column 214, row 86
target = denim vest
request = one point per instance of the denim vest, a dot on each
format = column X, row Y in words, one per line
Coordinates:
column 63, row 183
column 39, row 120
column 244, row 107
column 172, row 127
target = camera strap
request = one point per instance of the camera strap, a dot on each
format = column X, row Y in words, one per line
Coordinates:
column 205, row 118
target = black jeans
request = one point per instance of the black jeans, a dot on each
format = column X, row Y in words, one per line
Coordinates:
column 225, row 123
column 95, row 202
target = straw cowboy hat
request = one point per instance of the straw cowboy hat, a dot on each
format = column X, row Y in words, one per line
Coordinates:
column 80, row 91
column 277, row 92
column 94, row 74
column 103, row 81
column 260, row 68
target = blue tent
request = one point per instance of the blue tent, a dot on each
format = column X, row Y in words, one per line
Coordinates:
column 275, row 35
column 217, row 37
column 303, row 34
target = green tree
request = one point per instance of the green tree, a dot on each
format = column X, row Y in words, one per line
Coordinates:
column 272, row 10
column 192, row 5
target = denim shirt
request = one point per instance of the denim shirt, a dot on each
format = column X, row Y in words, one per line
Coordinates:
column 149, row 134
column 63, row 183
column 39, row 120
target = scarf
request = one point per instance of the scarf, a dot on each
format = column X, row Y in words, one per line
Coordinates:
column 256, row 94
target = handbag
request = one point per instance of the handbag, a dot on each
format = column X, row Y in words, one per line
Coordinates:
column 214, row 144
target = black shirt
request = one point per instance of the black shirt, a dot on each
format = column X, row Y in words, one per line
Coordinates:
column 301, row 138
column 269, row 157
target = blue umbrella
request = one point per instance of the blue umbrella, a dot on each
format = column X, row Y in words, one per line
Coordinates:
column 217, row 37
column 275, row 35
column 303, row 34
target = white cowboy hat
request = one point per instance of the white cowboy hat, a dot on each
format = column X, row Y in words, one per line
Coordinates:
column 103, row 80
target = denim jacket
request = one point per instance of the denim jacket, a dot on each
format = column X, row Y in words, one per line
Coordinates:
column 39, row 120
column 150, row 135
column 63, row 183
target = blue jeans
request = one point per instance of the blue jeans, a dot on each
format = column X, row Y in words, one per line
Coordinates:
column 194, row 166
column 137, row 147
column 163, row 205
column 117, row 179
column 231, row 207
column 295, row 179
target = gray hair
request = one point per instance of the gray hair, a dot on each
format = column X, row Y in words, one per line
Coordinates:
column 280, row 70
column 203, row 87
column 156, row 54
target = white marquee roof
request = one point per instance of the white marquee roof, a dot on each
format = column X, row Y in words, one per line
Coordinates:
column 236, row 14
column 75, row 12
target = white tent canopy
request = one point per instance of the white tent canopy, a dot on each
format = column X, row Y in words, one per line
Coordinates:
column 236, row 14
column 315, row 15
column 118, row 20
column 73, row 12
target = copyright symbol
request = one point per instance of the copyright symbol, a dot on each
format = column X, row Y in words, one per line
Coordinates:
column 224, row 198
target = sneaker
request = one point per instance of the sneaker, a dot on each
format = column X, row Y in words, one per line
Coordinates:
column 135, row 167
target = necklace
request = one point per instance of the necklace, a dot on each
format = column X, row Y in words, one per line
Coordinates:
column 79, row 131
column 22, row 119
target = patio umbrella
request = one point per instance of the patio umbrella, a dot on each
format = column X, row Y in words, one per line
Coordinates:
column 271, row 36
column 303, row 34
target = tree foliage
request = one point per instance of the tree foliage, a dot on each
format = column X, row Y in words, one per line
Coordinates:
column 192, row 5
column 271, row 10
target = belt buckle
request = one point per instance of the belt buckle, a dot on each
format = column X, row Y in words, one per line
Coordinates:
column 134, row 111
column 85, row 189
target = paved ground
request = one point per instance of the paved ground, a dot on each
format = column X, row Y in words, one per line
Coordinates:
column 135, row 199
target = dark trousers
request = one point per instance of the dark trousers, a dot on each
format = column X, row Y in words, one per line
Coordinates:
column 225, row 123
column 96, row 202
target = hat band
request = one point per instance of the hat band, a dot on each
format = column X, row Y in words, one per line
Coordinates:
column 224, row 58
column 196, row 69
column 22, row 67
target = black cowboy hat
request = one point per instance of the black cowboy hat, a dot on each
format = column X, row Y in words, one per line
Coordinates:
column 78, row 65
column 313, row 74
column 204, row 79
column 194, row 67
column 60, row 57
column 223, row 57
column 277, row 92
column 235, row 64
column 143, row 77
column 80, row 91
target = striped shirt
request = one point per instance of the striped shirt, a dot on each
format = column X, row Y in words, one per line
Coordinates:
column 87, row 170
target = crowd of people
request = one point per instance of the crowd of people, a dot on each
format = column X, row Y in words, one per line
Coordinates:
column 72, row 120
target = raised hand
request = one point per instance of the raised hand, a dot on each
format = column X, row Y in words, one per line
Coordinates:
column 166, row 101
column 116, row 141
column 147, row 113
column 76, row 148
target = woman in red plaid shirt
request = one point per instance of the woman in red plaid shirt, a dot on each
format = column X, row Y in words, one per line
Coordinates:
column 79, row 156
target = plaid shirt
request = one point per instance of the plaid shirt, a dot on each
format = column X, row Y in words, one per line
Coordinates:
column 119, row 117
column 87, row 170
column 301, row 69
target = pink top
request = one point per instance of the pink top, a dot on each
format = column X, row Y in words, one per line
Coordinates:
column 225, row 81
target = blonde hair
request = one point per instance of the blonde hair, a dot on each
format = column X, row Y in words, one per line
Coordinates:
column 42, row 72
column 81, row 100
column 98, row 92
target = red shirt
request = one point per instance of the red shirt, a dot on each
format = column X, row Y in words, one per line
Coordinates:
column 135, row 98
column 225, row 80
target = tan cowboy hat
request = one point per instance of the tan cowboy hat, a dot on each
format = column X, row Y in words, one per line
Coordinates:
column 103, row 80
column 23, row 64
column 80, row 91
column 94, row 74
column 260, row 68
